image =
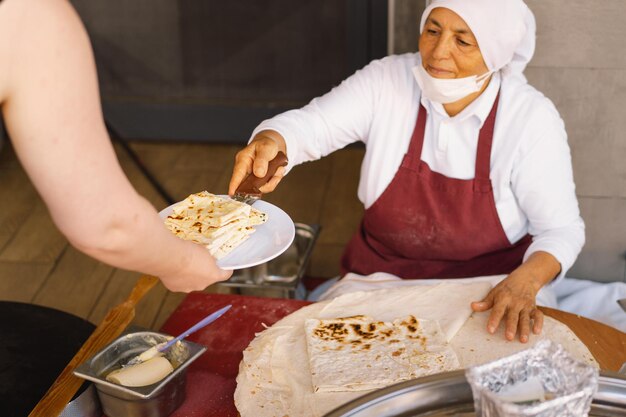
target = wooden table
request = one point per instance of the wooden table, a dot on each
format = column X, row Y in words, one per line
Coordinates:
column 211, row 378
column 606, row 343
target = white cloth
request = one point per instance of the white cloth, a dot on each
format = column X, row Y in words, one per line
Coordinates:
column 504, row 29
column 594, row 300
column 531, row 167
column 354, row 282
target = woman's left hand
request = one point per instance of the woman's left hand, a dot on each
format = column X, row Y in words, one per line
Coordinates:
column 512, row 301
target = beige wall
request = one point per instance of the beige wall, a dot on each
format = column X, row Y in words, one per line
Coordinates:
column 580, row 64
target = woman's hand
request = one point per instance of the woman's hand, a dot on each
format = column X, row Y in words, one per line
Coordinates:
column 512, row 301
column 255, row 158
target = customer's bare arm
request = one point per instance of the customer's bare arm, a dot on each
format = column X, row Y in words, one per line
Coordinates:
column 51, row 107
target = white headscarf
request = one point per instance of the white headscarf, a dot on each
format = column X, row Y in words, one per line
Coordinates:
column 504, row 29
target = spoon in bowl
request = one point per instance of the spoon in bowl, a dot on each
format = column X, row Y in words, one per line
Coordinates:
column 159, row 349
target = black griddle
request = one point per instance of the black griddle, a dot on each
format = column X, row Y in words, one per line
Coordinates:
column 36, row 343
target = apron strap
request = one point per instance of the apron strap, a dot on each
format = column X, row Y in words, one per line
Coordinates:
column 414, row 153
column 482, row 182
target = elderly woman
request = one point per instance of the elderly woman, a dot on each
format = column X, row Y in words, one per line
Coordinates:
column 467, row 170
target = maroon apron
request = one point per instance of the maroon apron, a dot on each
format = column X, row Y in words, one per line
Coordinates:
column 426, row 225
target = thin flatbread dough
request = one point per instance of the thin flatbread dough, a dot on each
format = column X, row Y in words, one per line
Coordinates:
column 359, row 353
column 275, row 379
column 495, row 346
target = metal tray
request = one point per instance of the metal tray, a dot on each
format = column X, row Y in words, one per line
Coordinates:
column 449, row 394
column 283, row 272
column 127, row 346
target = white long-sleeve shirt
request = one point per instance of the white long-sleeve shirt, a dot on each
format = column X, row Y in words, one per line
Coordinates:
column 531, row 169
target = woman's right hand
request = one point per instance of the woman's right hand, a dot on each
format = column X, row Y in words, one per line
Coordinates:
column 255, row 158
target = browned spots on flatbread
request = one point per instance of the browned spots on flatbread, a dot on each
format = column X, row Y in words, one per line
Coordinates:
column 331, row 331
column 411, row 324
column 423, row 340
column 398, row 352
column 358, row 329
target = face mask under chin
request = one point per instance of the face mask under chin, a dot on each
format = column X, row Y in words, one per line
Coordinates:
column 447, row 90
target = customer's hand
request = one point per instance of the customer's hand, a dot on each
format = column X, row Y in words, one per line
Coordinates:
column 255, row 158
column 512, row 301
column 199, row 271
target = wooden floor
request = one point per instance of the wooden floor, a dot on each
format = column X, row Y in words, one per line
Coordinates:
column 37, row 265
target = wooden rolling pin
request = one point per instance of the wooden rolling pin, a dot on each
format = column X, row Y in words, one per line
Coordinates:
column 65, row 386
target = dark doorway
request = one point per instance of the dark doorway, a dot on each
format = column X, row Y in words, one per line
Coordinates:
column 212, row 70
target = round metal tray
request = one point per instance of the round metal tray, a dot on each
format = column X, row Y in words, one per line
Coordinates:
column 449, row 394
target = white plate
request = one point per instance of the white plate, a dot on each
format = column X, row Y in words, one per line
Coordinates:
column 268, row 241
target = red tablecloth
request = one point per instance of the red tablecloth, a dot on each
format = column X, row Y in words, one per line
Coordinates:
column 211, row 378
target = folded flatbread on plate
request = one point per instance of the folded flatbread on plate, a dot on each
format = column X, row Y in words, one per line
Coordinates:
column 220, row 224
column 359, row 353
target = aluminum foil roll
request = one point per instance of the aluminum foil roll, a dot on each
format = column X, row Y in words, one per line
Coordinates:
column 567, row 386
